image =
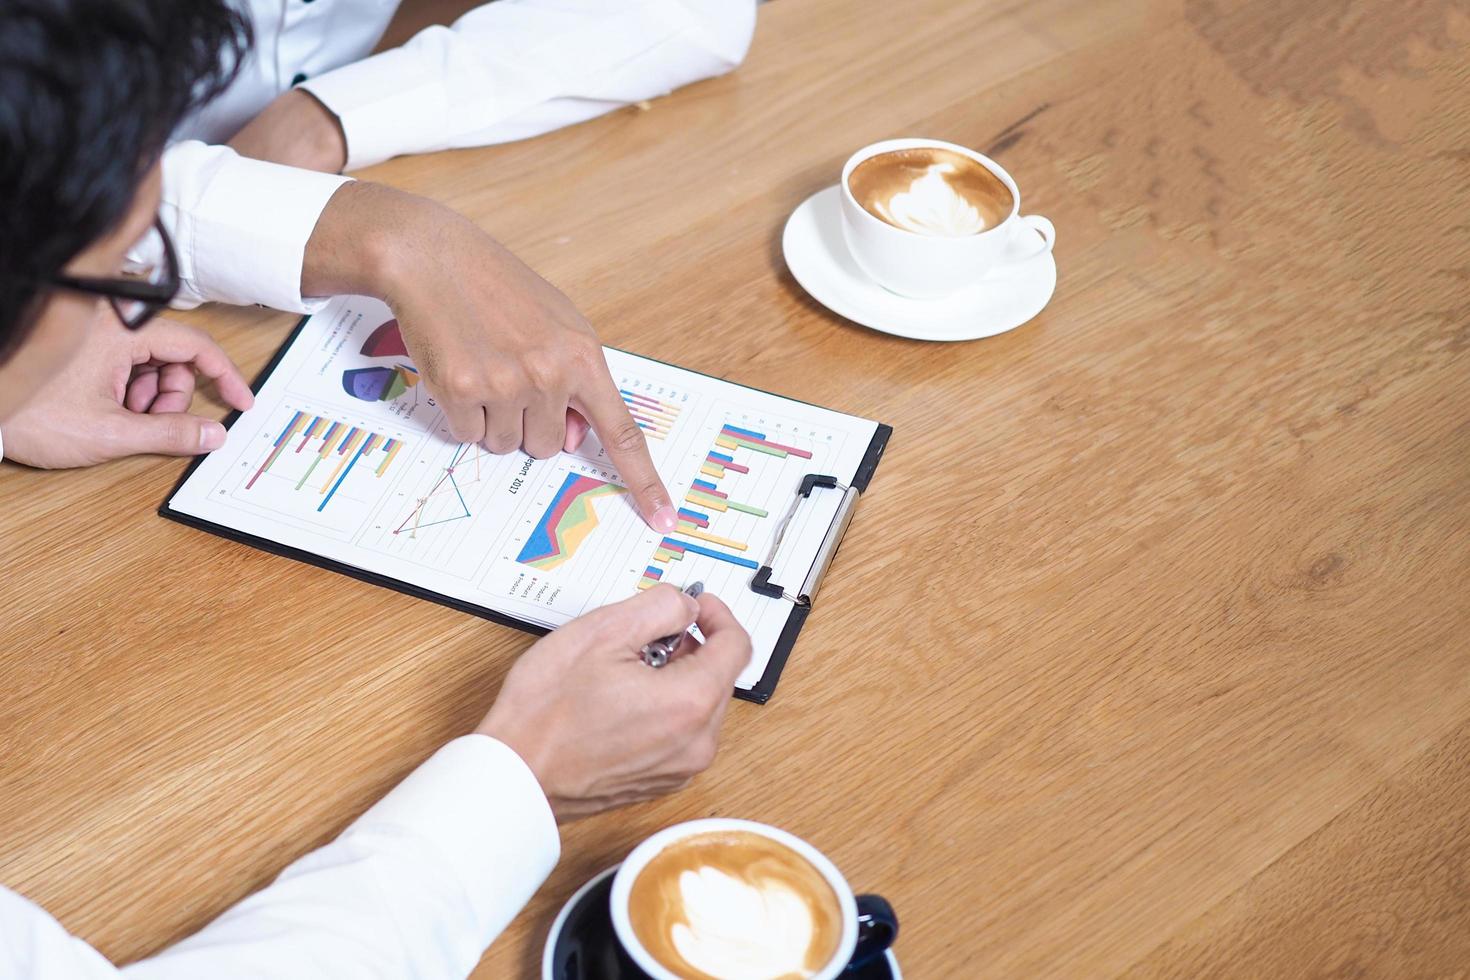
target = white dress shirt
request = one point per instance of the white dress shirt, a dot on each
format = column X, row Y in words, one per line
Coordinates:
column 418, row 886
column 505, row 71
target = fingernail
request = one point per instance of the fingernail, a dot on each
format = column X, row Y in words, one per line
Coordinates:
column 664, row 519
column 211, row 436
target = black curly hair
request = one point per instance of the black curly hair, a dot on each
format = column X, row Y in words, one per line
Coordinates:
column 89, row 91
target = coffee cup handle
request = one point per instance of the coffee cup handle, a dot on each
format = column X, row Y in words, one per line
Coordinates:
column 877, row 929
column 1044, row 228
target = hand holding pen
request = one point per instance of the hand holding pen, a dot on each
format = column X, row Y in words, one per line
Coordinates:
column 597, row 727
column 658, row 652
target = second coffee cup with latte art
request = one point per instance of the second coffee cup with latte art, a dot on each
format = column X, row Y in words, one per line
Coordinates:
column 925, row 218
column 930, row 190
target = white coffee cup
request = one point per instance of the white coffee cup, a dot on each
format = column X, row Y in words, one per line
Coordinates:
column 933, row 266
column 875, row 920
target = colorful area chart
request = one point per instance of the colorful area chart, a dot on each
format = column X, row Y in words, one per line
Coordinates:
column 568, row 520
column 387, row 382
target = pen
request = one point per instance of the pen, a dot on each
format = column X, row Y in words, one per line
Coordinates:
column 657, row 653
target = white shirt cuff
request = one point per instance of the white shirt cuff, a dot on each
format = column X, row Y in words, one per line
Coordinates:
column 417, row 886
column 241, row 226
column 481, row 806
column 385, row 103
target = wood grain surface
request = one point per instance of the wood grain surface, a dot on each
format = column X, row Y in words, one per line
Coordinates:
column 1149, row 647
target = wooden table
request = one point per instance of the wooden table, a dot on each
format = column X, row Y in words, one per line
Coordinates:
column 1149, row 649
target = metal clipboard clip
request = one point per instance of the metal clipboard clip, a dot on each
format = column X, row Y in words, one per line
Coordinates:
column 761, row 583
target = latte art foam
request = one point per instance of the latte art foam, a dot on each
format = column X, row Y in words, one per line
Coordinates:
column 742, row 930
column 932, row 207
column 735, row 905
column 930, row 190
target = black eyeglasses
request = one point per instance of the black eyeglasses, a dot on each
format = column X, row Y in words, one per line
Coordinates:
column 142, row 292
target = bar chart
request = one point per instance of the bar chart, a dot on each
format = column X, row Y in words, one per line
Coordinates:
column 731, row 437
column 716, row 520
column 654, row 415
column 315, row 469
column 338, row 445
column 704, row 493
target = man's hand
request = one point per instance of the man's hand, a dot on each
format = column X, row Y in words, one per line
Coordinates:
column 511, row 361
column 296, row 130
column 126, row 393
column 601, row 729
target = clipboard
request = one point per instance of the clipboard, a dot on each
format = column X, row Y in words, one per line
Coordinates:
column 800, row 594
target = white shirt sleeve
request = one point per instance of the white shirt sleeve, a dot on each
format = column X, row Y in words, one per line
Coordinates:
column 518, row 68
column 240, row 226
column 417, row 887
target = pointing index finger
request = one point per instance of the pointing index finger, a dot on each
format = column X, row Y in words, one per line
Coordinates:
column 622, row 438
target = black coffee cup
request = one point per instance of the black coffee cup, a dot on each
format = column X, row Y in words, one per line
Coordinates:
column 877, row 929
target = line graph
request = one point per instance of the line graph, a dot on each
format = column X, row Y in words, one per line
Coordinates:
column 444, row 503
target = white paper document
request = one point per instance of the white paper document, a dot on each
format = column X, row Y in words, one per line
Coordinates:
column 346, row 457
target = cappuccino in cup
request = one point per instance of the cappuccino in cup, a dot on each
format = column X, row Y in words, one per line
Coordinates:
column 930, row 190
column 726, row 899
column 924, row 218
column 738, row 902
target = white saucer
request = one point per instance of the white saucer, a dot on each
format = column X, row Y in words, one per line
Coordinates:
column 817, row 256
